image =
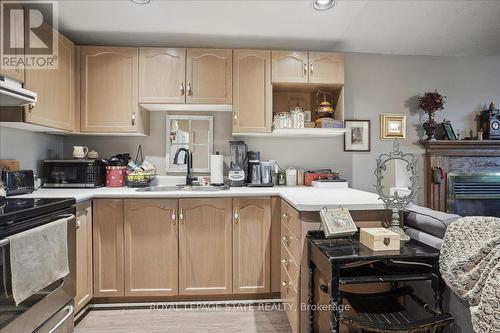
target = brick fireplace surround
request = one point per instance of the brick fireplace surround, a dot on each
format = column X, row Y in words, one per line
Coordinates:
column 477, row 159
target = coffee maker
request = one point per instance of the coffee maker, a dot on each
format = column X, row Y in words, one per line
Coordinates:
column 238, row 168
column 254, row 176
column 259, row 172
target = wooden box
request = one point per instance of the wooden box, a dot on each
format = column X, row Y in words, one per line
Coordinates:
column 379, row 239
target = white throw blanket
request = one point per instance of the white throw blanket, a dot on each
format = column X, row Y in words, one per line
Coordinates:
column 470, row 265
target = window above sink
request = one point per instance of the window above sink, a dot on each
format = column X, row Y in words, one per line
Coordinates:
column 191, row 132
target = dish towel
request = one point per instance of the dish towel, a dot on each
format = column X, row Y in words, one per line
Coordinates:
column 38, row 257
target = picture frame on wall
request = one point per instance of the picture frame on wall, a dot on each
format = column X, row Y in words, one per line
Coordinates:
column 357, row 138
column 392, row 126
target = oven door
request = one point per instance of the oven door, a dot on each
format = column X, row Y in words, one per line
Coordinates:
column 68, row 173
column 32, row 313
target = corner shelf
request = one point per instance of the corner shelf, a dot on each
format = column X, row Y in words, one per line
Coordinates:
column 298, row 132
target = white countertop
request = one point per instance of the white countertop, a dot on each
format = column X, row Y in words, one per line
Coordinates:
column 301, row 198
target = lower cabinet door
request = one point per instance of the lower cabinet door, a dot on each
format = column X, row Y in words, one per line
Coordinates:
column 83, row 255
column 205, row 246
column 252, row 247
column 151, row 259
column 108, row 247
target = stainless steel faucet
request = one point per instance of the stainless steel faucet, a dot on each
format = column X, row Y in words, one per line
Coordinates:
column 188, row 160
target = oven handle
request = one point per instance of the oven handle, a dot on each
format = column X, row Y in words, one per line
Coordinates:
column 70, row 217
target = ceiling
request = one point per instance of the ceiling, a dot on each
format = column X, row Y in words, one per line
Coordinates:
column 385, row 27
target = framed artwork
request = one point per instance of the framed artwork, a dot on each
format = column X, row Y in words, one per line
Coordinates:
column 357, row 138
column 392, row 126
column 449, row 131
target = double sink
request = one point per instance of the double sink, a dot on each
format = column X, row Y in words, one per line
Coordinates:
column 184, row 188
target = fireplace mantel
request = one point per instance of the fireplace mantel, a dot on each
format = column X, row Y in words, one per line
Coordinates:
column 462, row 147
column 456, row 156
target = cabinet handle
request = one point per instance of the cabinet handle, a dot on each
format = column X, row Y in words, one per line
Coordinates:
column 285, row 261
column 189, row 90
column 30, row 107
column 286, row 239
column 235, row 116
column 78, row 223
column 286, row 284
column 181, row 216
column 305, row 69
column 133, row 119
column 311, row 66
column 236, row 216
column 182, row 89
column 285, row 216
column 174, row 217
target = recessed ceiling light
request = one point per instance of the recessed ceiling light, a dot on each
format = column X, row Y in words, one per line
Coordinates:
column 323, row 4
column 141, row 2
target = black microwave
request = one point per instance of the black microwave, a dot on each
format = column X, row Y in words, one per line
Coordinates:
column 74, row 173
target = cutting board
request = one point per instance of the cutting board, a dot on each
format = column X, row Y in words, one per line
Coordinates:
column 11, row 165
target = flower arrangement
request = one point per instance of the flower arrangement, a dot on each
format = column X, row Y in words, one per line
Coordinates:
column 431, row 102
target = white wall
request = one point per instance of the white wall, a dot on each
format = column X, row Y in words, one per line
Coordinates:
column 389, row 84
column 29, row 148
column 296, row 152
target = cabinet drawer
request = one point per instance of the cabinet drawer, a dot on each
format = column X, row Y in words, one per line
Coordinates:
column 291, row 242
column 291, row 266
column 290, row 217
column 290, row 300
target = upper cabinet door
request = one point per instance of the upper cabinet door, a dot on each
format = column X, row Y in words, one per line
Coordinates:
column 209, row 76
column 326, row 67
column 55, row 88
column 150, row 234
column 109, row 88
column 290, row 67
column 162, row 75
column 16, row 15
column 205, row 246
column 252, row 106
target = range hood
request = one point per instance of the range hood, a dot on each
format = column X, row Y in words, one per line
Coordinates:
column 13, row 94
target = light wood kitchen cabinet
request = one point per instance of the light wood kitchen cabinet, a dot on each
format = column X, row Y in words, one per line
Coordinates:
column 108, row 247
column 308, row 67
column 209, row 76
column 252, row 95
column 151, row 257
column 326, row 68
column 83, row 255
column 290, row 67
column 205, row 246
column 17, row 34
column 109, row 79
column 251, row 245
column 55, row 88
column 162, row 73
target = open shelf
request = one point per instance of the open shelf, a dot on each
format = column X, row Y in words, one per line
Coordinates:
column 298, row 132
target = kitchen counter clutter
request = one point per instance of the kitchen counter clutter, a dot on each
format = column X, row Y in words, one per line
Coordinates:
column 301, row 198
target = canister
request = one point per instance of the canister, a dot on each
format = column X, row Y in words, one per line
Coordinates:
column 291, row 177
column 115, row 176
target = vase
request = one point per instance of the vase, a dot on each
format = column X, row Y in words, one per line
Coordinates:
column 430, row 127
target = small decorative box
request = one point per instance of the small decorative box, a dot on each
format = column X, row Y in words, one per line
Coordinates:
column 329, row 123
column 379, row 239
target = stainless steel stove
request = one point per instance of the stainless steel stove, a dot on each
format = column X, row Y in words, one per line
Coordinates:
column 49, row 309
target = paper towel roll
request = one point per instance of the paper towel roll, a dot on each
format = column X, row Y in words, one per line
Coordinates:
column 217, row 169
